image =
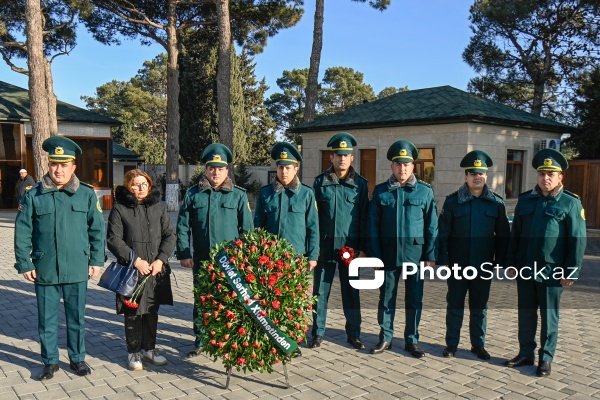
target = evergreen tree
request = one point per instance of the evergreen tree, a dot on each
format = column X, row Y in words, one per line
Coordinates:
column 586, row 139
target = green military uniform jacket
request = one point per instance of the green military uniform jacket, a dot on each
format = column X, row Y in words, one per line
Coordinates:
column 473, row 230
column 291, row 214
column 403, row 224
column 59, row 233
column 343, row 213
column 550, row 231
column 211, row 217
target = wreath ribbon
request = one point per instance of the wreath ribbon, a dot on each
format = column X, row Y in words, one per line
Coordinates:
column 253, row 307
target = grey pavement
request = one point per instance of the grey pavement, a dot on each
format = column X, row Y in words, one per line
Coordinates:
column 334, row 370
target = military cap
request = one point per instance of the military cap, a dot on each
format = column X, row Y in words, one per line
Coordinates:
column 216, row 155
column 477, row 161
column 402, row 151
column 285, row 153
column 342, row 143
column 61, row 149
column 549, row 160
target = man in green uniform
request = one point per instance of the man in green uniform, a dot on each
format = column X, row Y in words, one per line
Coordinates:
column 403, row 227
column 287, row 207
column 343, row 199
column 211, row 212
column 474, row 231
column 547, row 244
column 59, row 245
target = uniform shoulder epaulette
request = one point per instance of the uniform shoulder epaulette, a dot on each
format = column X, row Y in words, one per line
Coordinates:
column 32, row 186
column 86, row 184
column 497, row 195
column 575, row 195
column 424, row 183
column 452, row 194
column 308, row 187
column 239, row 187
column 527, row 192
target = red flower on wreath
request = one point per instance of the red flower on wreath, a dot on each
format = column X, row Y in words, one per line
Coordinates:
column 242, row 331
column 346, row 255
column 250, row 278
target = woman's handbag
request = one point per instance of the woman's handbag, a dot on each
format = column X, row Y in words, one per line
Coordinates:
column 119, row 278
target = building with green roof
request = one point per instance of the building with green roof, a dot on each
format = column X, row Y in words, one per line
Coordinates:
column 90, row 130
column 445, row 123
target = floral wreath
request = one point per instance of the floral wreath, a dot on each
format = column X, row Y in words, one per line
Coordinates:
column 254, row 302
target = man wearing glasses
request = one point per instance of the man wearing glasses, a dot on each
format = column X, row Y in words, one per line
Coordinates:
column 211, row 212
column 474, row 230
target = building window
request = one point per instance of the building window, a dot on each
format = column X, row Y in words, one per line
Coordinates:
column 325, row 159
column 425, row 165
column 514, row 173
column 92, row 165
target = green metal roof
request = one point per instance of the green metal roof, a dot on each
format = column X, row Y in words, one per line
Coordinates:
column 15, row 107
column 438, row 105
column 122, row 153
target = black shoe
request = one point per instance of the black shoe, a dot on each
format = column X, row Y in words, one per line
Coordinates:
column 449, row 351
column 519, row 361
column 381, row 347
column 316, row 342
column 414, row 349
column 481, row 352
column 356, row 343
column 48, row 372
column 81, row 368
column 543, row 369
column 195, row 352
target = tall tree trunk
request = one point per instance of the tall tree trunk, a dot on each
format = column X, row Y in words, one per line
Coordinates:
column 315, row 62
column 172, row 145
column 52, row 119
column 38, row 95
column 538, row 98
column 224, row 75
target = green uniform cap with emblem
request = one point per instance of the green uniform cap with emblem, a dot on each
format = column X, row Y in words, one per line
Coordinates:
column 216, row 155
column 61, row 149
column 402, row 151
column 549, row 160
column 285, row 154
column 342, row 143
column 477, row 161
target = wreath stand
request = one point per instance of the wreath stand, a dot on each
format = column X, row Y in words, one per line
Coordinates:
column 287, row 382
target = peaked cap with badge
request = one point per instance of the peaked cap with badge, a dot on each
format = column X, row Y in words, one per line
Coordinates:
column 342, row 143
column 549, row 160
column 477, row 161
column 402, row 151
column 216, row 155
column 285, row 153
column 61, row 149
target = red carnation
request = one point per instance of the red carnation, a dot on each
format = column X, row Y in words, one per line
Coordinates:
column 234, row 346
column 238, row 242
column 245, row 344
column 226, row 337
column 250, row 278
column 263, row 302
column 263, row 259
column 228, row 325
column 262, row 313
column 232, row 259
column 220, row 344
column 242, row 331
column 263, row 280
column 277, row 292
column 241, row 361
column 213, row 342
column 253, row 355
column 253, row 248
column 273, row 351
column 216, row 314
column 256, row 345
column 226, row 356
column 276, row 304
column 272, row 280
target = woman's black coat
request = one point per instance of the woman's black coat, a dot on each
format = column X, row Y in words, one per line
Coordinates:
column 146, row 228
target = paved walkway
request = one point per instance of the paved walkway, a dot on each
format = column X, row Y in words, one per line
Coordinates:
column 334, row 370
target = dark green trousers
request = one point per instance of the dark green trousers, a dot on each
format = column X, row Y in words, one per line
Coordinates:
column 48, row 301
column 479, row 294
column 413, row 304
column 533, row 296
column 323, row 279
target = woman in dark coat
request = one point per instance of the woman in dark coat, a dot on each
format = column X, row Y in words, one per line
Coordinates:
column 139, row 221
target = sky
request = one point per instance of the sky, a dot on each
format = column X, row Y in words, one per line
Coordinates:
column 418, row 44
